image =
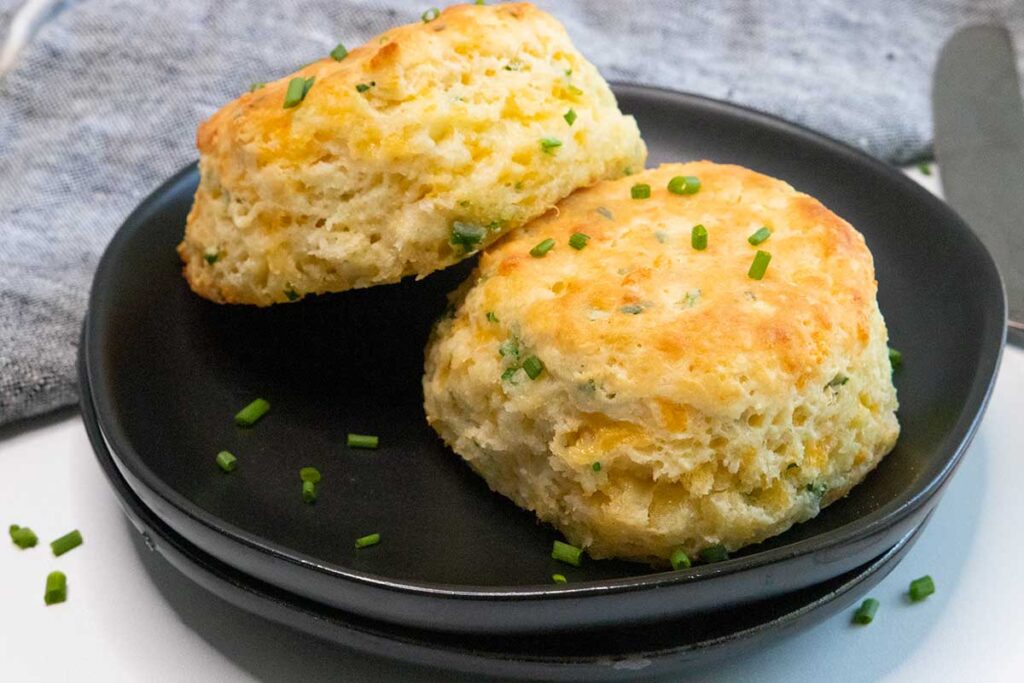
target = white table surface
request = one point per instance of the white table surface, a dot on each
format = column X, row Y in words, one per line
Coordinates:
column 131, row 617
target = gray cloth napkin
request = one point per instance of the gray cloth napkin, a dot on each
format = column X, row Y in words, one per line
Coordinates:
column 103, row 102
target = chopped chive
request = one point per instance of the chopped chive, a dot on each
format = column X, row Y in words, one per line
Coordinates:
column 309, row 84
column 895, row 359
column 509, row 374
column 632, row 309
column 291, row 294
column 627, row 171
column 256, row 86
column 297, row 89
column 684, row 184
column 570, row 116
column 339, row 53
column 640, row 191
column 925, row 168
column 792, row 466
column 679, row 559
column 226, row 461
column 509, row 349
column 563, row 552
column 310, row 474
column 837, row 381
column 699, row 237
column 362, row 441
column 430, row 15
column 491, row 317
column 211, row 256
column 558, row 578
column 762, row 233
column 23, row 537
column 759, row 266
column 605, row 212
column 363, row 87
column 865, row 614
column 714, row 553
column 308, row 492
column 367, row 541
column 549, row 145
column 68, row 541
column 542, row 248
column 466, row 235
column 817, row 489
column 533, row 366
column 921, row 588
column 250, row 415
column 596, row 466
column 480, row 2
column 578, row 240
column 56, row 588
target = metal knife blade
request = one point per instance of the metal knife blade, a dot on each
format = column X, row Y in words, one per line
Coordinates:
column 979, row 145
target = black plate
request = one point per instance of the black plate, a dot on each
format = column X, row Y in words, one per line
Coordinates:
column 168, row 370
column 627, row 654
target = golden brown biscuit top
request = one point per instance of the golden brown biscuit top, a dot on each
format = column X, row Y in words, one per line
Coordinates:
column 648, row 315
column 409, row 64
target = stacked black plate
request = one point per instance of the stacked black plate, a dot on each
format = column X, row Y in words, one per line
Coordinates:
column 461, row 578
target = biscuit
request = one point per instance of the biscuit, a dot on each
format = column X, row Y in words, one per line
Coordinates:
column 642, row 395
column 410, row 153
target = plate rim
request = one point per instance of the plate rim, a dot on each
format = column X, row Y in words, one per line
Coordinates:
column 954, row 444
column 426, row 653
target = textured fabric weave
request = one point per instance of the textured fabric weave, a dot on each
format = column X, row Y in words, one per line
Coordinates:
column 102, row 105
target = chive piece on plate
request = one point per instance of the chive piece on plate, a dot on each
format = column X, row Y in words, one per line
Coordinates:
column 543, row 248
column 363, row 87
column 596, row 466
column 68, row 541
column 362, row 441
column 563, row 552
column 578, row 240
column 684, row 184
column 466, row 235
column 921, row 588
column 250, row 415
column 430, row 15
column 211, row 256
column 759, row 266
column 895, row 359
column 226, row 461
column 699, row 237
column 491, row 317
column 533, row 366
column 296, row 92
column 570, row 116
column 865, row 614
column 925, row 168
column 549, row 145
column 339, row 53
column 23, row 537
column 56, row 588
column 640, row 191
column 714, row 553
column 679, row 559
column 632, row 309
column 367, row 541
column 760, row 235
column 558, row 578
column 308, row 492
column 310, row 474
